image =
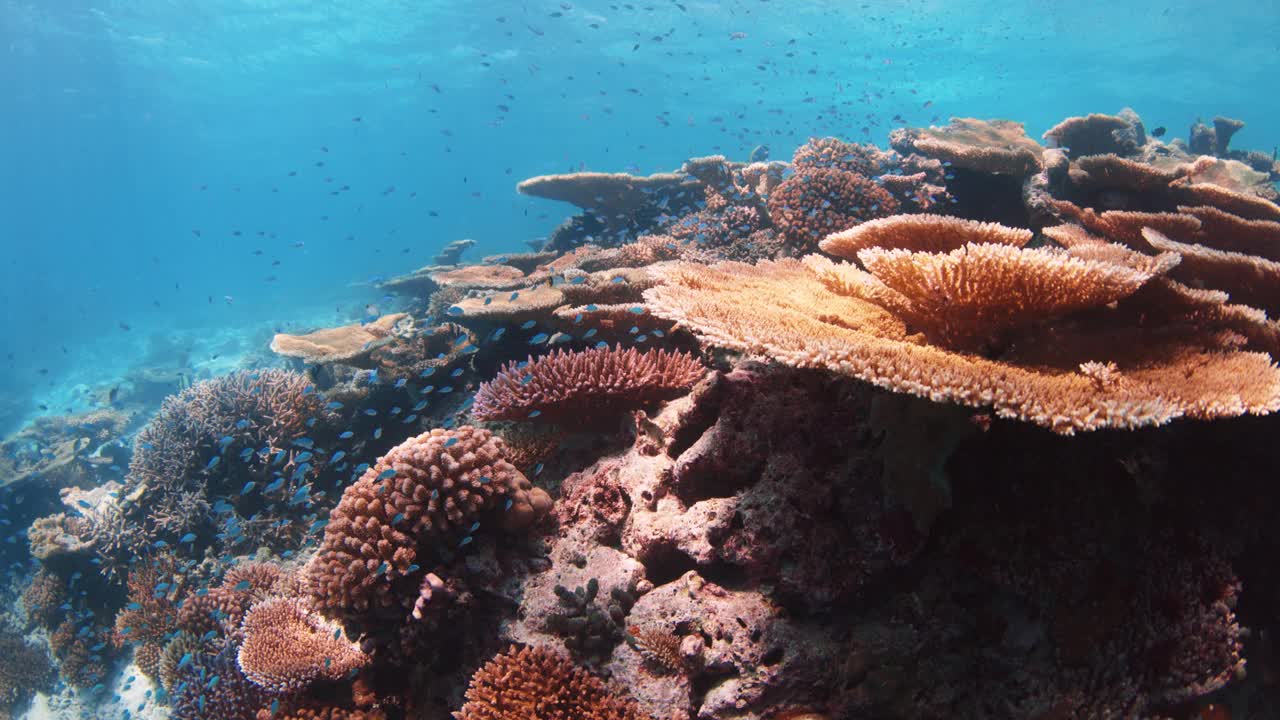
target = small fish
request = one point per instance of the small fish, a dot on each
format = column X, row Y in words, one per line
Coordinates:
column 188, row 538
column 347, row 435
column 247, row 487
column 337, row 456
column 1159, row 132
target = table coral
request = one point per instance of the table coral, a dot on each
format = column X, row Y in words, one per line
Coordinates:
column 348, row 344
column 797, row 319
column 586, row 385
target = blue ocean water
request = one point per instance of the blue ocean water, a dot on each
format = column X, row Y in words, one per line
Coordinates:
column 148, row 148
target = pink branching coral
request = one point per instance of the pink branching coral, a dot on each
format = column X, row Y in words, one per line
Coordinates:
column 816, row 202
column 287, row 646
column 577, row 386
column 435, row 486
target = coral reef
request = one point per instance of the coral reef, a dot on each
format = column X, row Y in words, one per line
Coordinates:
column 814, row 447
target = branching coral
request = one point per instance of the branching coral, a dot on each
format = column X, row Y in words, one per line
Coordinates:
column 286, row 646
column 532, row 683
column 152, row 613
column 816, row 202
column 212, row 686
column 432, row 487
column 585, row 386
column 212, row 438
column 24, row 670
column 1178, row 368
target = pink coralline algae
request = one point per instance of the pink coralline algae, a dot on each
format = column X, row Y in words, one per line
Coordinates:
column 580, row 387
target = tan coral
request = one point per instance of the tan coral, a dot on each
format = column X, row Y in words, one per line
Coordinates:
column 1224, row 231
column 1001, row 147
column 504, row 306
column 1092, row 134
column 975, row 294
column 1242, row 204
column 1247, row 279
column 921, row 233
column 529, row 683
column 484, row 277
column 604, row 192
column 1112, row 171
column 287, row 646
column 794, row 319
column 348, row 343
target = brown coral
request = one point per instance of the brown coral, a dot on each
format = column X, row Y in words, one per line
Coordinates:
column 795, row 319
column 818, row 201
column 1093, row 134
column 24, row 670
column 1001, row 147
column 834, row 153
column 348, row 344
column 586, row 385
column 973, row 296
column 920, row 233
column 287, row 646
column 536, row 684
column 432, row 486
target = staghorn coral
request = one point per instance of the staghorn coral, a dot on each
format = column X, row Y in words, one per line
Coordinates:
column 797, row 320
column 212, row 686
column 585, row 386
column 1000, row 147
column 152, row 613
column 433, row 486
column 920, row 233
column 207, row 442
column 813, row 203
column 348, row 344
column 536, row 684
column 175, row 649
column 286, row 646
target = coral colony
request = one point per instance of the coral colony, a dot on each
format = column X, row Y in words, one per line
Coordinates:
column 970, row 427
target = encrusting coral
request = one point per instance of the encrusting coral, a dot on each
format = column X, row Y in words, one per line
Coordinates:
column 438, row 486
column 533, row 683
column 584, row 386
